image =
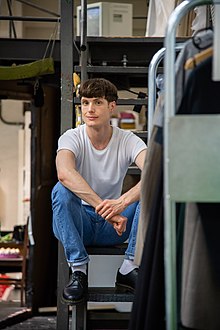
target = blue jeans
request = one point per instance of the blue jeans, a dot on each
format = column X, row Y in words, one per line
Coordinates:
column 76, row 225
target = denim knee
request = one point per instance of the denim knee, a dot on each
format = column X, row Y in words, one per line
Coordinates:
column 60, row 192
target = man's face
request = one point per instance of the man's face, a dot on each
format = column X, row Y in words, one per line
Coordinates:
column 96, row 111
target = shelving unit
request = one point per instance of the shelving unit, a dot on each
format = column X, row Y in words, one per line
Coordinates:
column 16, row 264
column 122, row 67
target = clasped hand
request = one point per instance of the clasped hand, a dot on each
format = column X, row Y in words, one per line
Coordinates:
column 110, row 210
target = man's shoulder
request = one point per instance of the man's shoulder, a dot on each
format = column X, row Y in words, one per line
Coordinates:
column 74, row 131
column 126, row 134
column 122, row 132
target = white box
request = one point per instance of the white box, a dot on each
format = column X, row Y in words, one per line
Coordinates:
column 107, row 19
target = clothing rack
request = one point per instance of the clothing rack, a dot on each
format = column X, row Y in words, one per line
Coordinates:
column 182, row 142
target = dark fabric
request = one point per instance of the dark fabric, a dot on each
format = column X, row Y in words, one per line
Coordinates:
column 148, row 310
column 201, row 96
column 180, row 216
column 210, row 218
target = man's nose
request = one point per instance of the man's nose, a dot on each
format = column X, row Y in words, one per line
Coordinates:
column 91, row 106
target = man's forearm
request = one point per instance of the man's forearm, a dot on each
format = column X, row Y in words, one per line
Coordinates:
column 132, row 195
column 81, row 188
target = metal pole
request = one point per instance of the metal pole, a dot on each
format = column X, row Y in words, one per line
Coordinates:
column 29, row 18
column 152, row 88
column 216, row 45
column 152, row 84
column 11, row 25
column 66, row 42
column 83, row 41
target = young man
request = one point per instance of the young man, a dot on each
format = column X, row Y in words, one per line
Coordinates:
column 88, row 208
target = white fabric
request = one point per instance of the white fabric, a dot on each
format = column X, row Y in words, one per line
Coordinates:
column 79, row 268
column 157, row 18
column 200, row 21
column 106, row 176
column 127, row 266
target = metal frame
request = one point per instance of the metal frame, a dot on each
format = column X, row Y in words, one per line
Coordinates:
column 169, row 205
column 83, row 41
column 67, row 64
column 66, row 37
column 152, row 71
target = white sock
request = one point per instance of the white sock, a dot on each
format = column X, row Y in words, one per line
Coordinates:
column 80, row 268
column 127, row 266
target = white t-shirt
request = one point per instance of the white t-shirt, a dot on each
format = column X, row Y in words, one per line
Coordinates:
column 104, row 170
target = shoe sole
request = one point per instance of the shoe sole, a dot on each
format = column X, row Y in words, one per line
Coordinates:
column 73, row 302
column 124, row 288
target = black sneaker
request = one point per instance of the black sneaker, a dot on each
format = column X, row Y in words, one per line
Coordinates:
column 77, row 288
column 127, row 282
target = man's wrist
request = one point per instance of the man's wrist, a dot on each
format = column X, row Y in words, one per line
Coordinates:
column 124, row 201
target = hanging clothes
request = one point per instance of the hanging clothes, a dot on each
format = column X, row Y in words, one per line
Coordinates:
column 148, row 310
column 201, row 250
column 199, row 299
column 151, row 175
column 147, row 190
column 201, row 93
column 189, row 50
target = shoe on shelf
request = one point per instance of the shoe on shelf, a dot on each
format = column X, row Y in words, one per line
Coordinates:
column 77, row 288
column 127, row 282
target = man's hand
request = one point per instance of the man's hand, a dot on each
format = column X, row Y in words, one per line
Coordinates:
column 110, row 207
column 119, row 223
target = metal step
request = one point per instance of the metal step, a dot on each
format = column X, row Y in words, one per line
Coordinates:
column 109, row 294
column 107, row 250
column 106, row 294
column 114, row 69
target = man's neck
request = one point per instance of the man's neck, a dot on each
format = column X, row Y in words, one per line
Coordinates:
column 99, row 137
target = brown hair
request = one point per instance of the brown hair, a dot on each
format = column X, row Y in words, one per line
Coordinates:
column 99, row 87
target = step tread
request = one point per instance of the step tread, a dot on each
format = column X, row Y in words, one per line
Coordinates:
column 109, row 294
column 107, row 250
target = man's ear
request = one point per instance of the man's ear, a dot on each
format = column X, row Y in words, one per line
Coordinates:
column 112, row 106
